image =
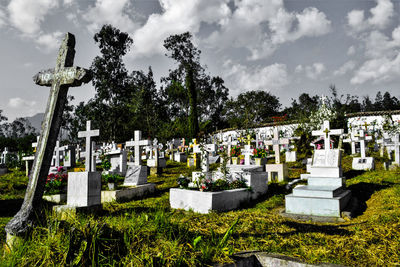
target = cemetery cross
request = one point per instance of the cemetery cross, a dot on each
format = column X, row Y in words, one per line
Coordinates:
column 137, row 143
column 60, row 79
column 88, row 134
column 276, row 142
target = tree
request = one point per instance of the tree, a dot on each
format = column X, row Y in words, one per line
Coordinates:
column 193, row 97
column 111, row 82
column 251, row 108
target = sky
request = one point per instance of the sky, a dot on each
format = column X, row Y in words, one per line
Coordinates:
column 282, row 47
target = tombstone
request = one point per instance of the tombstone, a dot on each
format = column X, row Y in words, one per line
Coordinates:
column 325, row 194
column 351, row 139
column 277, row 171
column 180, row 155
column 290, row 156
column 55, row 162
column 118, row 160
column 155, row 162
column 60, row 79
column 69, row 154
column 136, row 174
column 84, row 188
column 194, row 160
column 363, row 162
column 3, row 159
column 229, row 144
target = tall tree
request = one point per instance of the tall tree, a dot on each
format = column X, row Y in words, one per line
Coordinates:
column 194, row 97
column 111, row 82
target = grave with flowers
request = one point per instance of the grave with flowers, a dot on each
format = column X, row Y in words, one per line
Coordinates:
column 56, row 186
column 225, row 189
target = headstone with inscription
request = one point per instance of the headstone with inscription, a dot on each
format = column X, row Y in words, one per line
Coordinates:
column 136, row 173
column 278, row 171
column 60, row 79
column 363, row 162
column 325, row 194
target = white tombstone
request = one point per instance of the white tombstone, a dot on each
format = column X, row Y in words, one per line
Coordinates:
column 363, row 162
column 84, row 188
column 325, row 194
column 277, row 171
column 136, row 174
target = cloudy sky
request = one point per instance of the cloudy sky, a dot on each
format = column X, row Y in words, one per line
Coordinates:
column 284, row 47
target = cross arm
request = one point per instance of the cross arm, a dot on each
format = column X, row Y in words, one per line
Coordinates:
column 71, row 76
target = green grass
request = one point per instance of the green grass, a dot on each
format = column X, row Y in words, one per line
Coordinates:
column 147, row 232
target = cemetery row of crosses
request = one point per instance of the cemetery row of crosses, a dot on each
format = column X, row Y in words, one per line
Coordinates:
column 244, row 163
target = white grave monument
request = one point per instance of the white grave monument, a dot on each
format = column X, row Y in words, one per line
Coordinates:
column 363, row 162
column 325, row 194
column 277, row 171
column 84, row 188
column 136, row 173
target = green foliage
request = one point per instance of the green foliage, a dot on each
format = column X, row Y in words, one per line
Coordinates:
column 112, row 178
column 235, row 151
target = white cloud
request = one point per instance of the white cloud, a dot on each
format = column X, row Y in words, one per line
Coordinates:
column 272, row 77
column 345, row 68
column 114, row 12
column 378, row 70
column 351, row 51
column 380, row 17
column 27, row 15
column 315, row 70
column 24, row 107
column 18, row 102
column 3, row 18
column 265, row 24
column 49, row 41
column 298, row 69
column 178, row 16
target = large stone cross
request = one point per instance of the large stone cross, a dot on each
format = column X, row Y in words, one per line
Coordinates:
column 204, row 152
column 276, row 142
column 326, row 133
column 137, row 143
column 88, row 134
column 361, row 138
column 60, row 79
column 396, row 144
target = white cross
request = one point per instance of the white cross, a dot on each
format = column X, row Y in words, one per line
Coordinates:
column 34, row 145
column 276, row 142
column 247, row 152
column 88, row 134
column 361, row 138
column 351, row 139
column 57, row 150
column 326, row 133
column 137, row 143
column 204, row 156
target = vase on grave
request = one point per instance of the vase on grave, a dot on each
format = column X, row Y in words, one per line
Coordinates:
column 234, row 160
column 258, row 161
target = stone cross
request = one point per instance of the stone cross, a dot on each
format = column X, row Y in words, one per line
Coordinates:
column 57, row 150
column 88, row 134
column 60, row 79
column 209, row 148
column 247, row 152
column 276, row 142
column 137, row 143
column 366, row 126
column 361, row 138
column 351, row 139
column 326, row 133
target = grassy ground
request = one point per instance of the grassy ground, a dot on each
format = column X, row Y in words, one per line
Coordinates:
column 148, row 232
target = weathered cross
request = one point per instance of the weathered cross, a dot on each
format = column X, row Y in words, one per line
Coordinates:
column 137, row 143
column 60, row 79
column 366, row 126
column 351, row 138
column 326, row 133
column 276, row 142
column 396, row 144
column 57, row 156
column 88, row 134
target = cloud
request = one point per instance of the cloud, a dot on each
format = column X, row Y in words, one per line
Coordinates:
column 345, row 68
column 260, row 26
column 24, row 107
column 246, row 78
column 27, row 15
column 114, row 12
column 315, row 70
column 312, row 71
column 178, row 16
column 3, row 18
column 351, row 51
column 382, row 53
column 378, row 70
column 18, row 102
column 380, row 17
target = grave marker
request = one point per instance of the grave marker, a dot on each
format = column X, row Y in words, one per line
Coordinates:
column 60, row 79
